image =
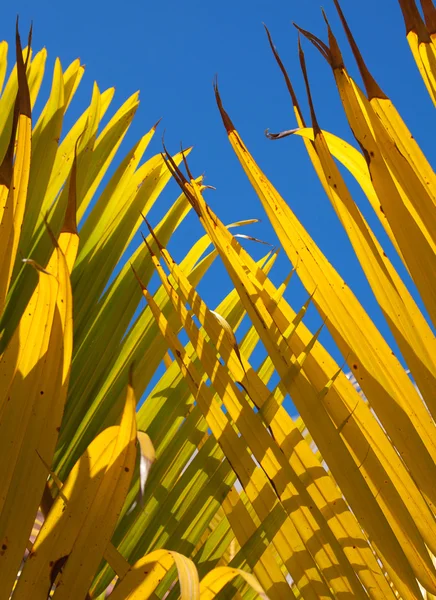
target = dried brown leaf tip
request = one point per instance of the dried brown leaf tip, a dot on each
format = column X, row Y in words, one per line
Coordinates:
column 336, row 60
column 429, row 11
column 251, row 238
column 156, row 124
column 319, row 44
column 372, row 88
column 280, row 135
column 137, row 277
column 153, row 234
column 35, row 265
column 21, row 106
column 23, row 94
column 283, row 70
column 149, row 248
column 315, row 125
column 413, row 20
column 182, row 181
column 131, row 371
column 225, row 117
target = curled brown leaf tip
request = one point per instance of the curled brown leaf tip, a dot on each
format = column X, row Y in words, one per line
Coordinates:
column 35, row 265
column 225, row 117
column 251, row 238
column 280, row 135
column 319, row 44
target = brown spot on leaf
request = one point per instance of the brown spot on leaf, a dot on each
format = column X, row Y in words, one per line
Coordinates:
column 57, row 568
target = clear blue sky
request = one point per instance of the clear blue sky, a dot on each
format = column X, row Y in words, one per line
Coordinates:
column 171, row 52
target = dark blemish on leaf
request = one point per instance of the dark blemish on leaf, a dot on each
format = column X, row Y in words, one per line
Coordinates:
column 354, row 366
column 365, row 154
column 4, row 547
column 126, row 469
column 57, row 568
column 42, row 392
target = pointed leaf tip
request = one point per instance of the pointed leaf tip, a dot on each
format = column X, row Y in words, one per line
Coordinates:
column 131, row 370
column 316, row 127
column 155, row 126
column 372, row 88
column 50, row 232
column 283, row 70
column 23, row 95
column 185, row 162
column 137, row 277
column 225, row 117
column 319, row 44
column 153, row 234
